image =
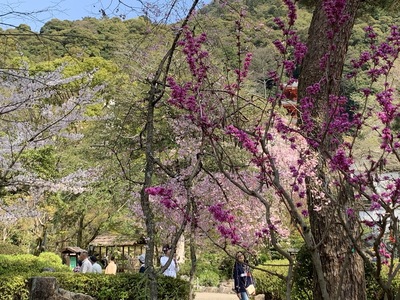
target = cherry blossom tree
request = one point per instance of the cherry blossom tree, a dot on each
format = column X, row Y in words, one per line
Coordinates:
column 324, row 171
column 37, row 111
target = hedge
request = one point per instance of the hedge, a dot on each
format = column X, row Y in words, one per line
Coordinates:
column 270, row 285
column 15, row 271
column 275, row 288
column 124, row 286
column 30, row 264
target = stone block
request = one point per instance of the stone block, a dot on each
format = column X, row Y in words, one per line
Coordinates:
column 45, row 288
column 42, row 288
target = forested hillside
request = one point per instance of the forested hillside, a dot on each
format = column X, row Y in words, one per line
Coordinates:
column 106, row 37
column 112, row 38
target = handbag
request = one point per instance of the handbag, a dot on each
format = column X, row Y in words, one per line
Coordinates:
column 251, row 290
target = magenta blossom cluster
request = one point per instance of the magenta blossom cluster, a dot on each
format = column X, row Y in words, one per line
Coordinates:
column 165, row 196
column 242, row 73
column 226, row 220
column 335, row 12
column 263, row 233
column 291, row 15
column 290, row 40
column 339, row 121
column 385, row 254
column 341, row 161
column 220, row 214
column 190, row 96
column 379, row 60
column 306, row 105
column 229, row 233
column 195, row 56
column 390, row 196
column 185, row 96
column 390, row 109
column 181, row 97
column 243, row 138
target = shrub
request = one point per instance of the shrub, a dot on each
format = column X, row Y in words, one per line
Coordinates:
column 212, row 265
column 30, row 264
column 303, row 279
column 271, row 286
column 226, row 267
column 102, row 287
column 51, row 258
column 263, row 258
column 13, row 287
column 125, row 286
column 208, row 278
column 303, row 275
column 9, row 249
column 374, row 291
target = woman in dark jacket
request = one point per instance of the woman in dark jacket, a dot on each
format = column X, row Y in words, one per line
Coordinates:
column 242, row 276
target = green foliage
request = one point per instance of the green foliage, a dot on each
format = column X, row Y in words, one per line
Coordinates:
column 15, row 270
column 275, row 255
column 122, row 286
column 7, row 248
column 211, row 268
column 396, row 125
column 90, row 43
column 51, row 258
column 13, row 287
column 272, row 286
column 102, row 287
column 263, row 258
column 208, row 278
column 374, row 291
column 30, row 264
column 226, row 267
column 41, row 161
column 303, row 274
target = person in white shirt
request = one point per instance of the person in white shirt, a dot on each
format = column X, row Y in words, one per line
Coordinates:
column 173, row 268
column 111, row 267
column 96, row 268
column 86, row 264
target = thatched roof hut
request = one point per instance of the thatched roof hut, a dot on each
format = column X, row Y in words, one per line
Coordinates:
column 107, row 240
column 75, row 250
column 125, row 248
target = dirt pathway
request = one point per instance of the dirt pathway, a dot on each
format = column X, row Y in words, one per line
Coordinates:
column 215, row 296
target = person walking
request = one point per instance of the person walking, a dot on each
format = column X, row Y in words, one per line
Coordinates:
column 173, row 267
column 142, row 260
column 111, row 267
column 244, row 283
column 86, row 264
column 96, row 268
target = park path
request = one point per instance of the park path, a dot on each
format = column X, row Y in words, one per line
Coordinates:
column 215, row 296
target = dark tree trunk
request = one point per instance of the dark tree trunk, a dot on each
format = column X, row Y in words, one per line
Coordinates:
column 192, row 244
column 318, row 46
column 144, row 197
column 155, row 94
column 342, row 268
column 79, row 231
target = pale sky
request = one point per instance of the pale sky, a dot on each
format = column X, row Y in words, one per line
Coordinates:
column 13, row 12
column 16, row 12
